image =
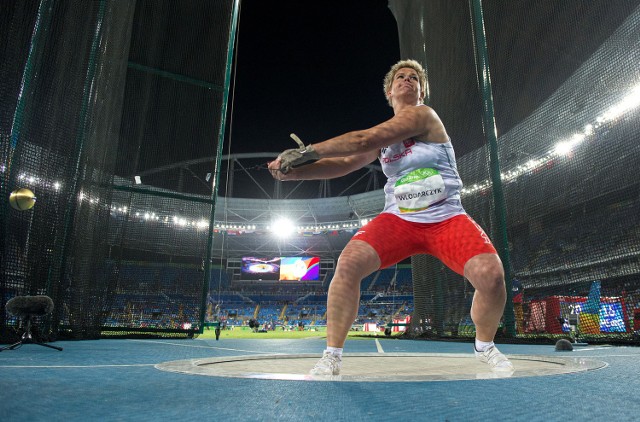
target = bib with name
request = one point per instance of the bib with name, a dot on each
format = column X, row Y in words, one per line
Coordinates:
column 419, row 189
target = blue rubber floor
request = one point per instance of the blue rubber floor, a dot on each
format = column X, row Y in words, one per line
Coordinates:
column 115, row 380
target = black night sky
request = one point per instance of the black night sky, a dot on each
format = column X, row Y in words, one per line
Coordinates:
column 315, row 70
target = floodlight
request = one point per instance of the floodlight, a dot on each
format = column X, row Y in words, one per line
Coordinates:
column 282, row 227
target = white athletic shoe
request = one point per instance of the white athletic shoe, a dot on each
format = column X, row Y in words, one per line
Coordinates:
column 496, row 360
column 328, row 365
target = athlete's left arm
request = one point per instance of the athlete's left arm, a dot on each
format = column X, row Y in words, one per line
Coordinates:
column 420, row 122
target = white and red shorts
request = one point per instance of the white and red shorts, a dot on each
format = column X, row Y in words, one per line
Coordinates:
column 453, row 241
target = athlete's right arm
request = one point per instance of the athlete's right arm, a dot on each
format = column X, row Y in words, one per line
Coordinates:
column 325, row 168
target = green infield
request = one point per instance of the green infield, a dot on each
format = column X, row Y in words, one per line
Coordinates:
column 240, row 333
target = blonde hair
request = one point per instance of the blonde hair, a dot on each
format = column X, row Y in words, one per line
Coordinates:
column 422, row 76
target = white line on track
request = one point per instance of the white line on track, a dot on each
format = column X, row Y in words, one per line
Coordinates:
column 379, row 347
column 76, row 366
column 586, row 349
column 209, row 347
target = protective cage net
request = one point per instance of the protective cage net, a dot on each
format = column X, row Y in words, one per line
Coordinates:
column 95, row 95
column 106, row 106
column 565, row 102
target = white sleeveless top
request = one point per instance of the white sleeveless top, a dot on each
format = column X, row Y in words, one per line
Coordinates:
column 423, row 184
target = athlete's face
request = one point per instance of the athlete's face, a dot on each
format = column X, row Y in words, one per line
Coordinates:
column 406, row 82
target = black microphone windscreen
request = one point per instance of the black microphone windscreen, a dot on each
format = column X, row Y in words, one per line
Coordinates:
column 22, row 306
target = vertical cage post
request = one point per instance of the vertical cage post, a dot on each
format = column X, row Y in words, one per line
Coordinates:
column 216, row 174
column 488, row 116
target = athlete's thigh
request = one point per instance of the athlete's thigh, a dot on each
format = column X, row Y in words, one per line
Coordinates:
column 357, row 260
column 457, row 240
column 393, row 238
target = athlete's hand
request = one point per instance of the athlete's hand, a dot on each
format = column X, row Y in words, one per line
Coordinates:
column 275, row 170
column 296, row 156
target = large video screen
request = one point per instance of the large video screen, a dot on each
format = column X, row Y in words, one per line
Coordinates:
column 301, row 268
column 298, row 268
column 255, row 268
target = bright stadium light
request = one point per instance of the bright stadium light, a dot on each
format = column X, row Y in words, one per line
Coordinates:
column 631, row 101
column 282, row 227
column 565, row 147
